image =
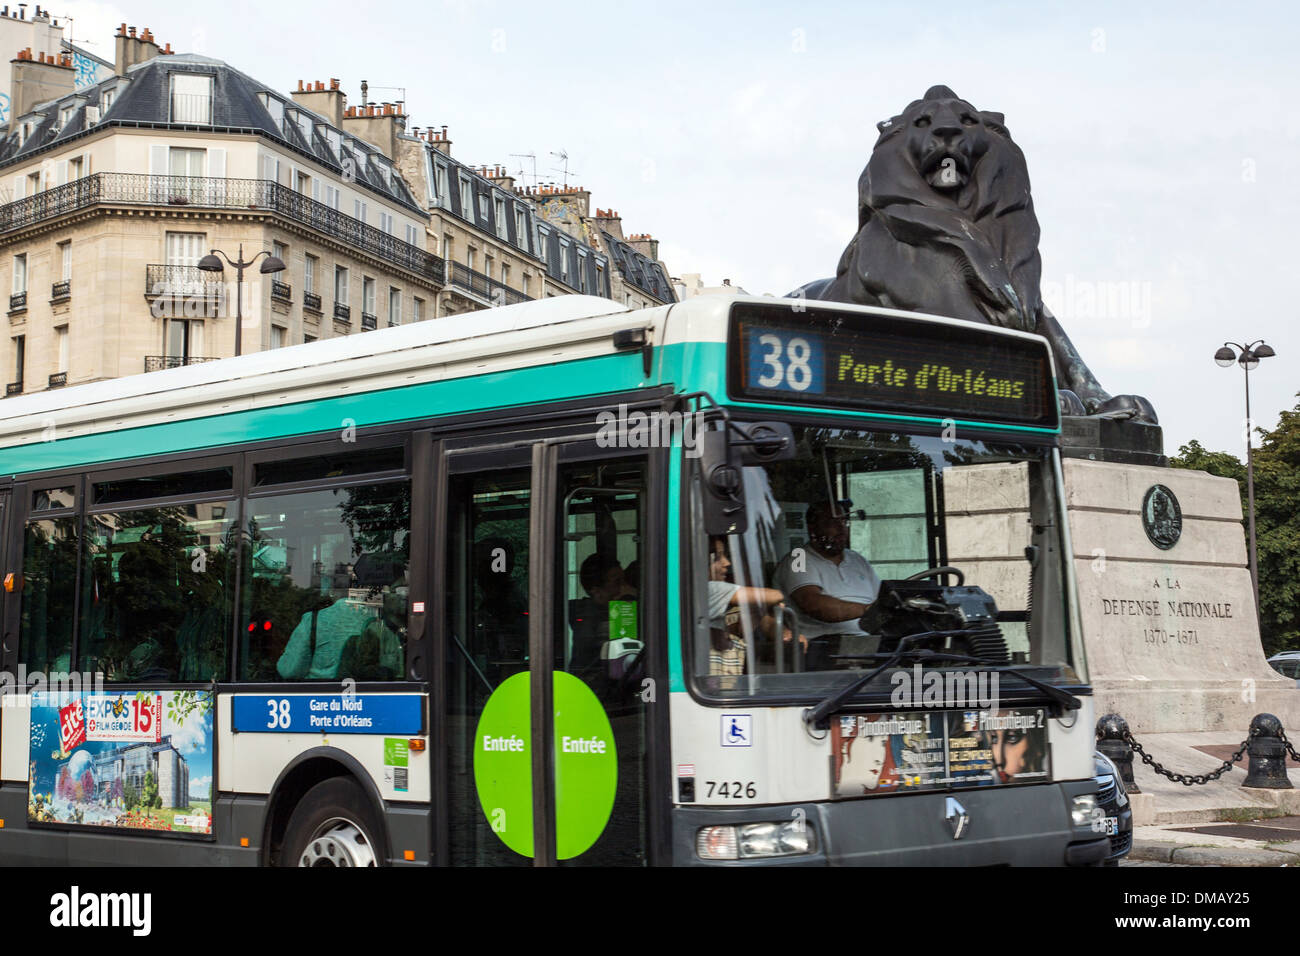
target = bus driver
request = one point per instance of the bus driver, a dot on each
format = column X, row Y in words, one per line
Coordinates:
column 831, row 585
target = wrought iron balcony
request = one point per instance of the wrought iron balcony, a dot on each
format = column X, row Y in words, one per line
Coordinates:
column 58, row 380
column 342, row 312
column 137, row 189
column 18, row 302
column 310, row 300
column 156, row 363
column 281, row 290
column 61, row 290
column 14, row 388
column 180, row 283
column 369, row 322
column 481, row 287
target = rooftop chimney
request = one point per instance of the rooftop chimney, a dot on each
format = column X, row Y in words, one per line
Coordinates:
column 329, row 103
column 131, row 49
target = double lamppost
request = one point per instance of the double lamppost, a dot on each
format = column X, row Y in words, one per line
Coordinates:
column 210, row 263
column 1247, row 356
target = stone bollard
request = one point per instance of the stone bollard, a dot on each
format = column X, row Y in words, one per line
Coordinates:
column 1267, row 767
column 1111, row 732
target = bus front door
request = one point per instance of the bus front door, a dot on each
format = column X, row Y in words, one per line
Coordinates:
column 549, row 686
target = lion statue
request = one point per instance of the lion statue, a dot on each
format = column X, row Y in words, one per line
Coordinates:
column 946, row 225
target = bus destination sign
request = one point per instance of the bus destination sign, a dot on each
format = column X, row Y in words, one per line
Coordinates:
column 889, row 363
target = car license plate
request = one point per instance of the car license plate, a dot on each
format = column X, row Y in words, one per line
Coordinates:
column 1112, row 826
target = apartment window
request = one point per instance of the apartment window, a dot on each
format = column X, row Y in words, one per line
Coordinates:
column 359, row 209
column 20, row 357
column 582, row 273
column 25, row 130
column 65, row 115
column 20, row 273
column 469, row 256
column 440, row 187
column 521, row 229
column 446, row 248
column 600, row 279
column 308, row 338
column 412, row 235
column 106, row 100
column 385, row 222
column 33, row 183
column 309, row 273
column 191, row 98
column 417, row 310
column 280, row 251
column 277, row 337
column 61, row 347
column 501, row 217
column 340, row 285
column 76, row 169
column 483, row 209
column 542, row 245
column 489, row 266
column 184, row 338
column 330, row 196
column 466, row 199
column 505, row 273
column 65, row 260
column 302, row 183
column 394, row 306
column 367, row 295
column 528, row 281
column 564, row 260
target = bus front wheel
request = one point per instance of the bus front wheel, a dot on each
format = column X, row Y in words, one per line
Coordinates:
column 333, row 825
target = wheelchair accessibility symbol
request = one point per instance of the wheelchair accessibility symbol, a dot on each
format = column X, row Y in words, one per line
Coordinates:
column 737, row 730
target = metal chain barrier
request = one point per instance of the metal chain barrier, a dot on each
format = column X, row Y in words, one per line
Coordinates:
column 1266, row 746
column 1186, row 779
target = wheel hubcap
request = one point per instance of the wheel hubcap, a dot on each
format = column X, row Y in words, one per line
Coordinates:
column 338, row 843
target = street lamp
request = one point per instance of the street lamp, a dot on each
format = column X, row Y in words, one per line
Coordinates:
column 1247, row 356
column 210, row 263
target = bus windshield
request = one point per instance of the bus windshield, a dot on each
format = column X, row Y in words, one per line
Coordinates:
column 831, row 572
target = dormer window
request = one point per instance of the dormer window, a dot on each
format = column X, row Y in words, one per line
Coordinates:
column 66, row 114
column 25, row 130
column 191, row 98
column 106, row 100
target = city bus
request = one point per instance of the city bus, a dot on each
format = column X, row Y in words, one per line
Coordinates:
column 530, row 587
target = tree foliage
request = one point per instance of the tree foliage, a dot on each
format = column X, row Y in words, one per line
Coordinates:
column 1277, row 521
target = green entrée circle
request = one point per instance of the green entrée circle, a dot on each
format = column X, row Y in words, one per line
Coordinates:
column 586, row 765
column 503, row 758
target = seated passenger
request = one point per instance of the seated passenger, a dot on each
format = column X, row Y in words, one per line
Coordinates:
column 317, row 643
column 601, row 576
column 831, row 585
column 727, row 601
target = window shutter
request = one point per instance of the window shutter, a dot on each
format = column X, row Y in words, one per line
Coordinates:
column 217, row 163
column 20, row 183
column 158, row 160
column 61, row 172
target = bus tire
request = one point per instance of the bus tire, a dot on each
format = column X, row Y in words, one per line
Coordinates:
column 333, row 825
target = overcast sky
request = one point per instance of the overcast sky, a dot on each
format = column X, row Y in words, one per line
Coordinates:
column 1163, row 141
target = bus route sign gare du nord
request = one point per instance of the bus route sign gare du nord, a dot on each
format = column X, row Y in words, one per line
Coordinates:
column 884, row 362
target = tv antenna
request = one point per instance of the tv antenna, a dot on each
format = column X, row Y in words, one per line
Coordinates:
column 522, row 175
column 563, row 156
column 366, row 88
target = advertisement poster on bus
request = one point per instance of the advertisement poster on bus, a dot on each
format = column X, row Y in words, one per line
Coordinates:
column 909, row 752
column 130, row 759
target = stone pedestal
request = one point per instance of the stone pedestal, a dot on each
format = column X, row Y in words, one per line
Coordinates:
column 1171, row 634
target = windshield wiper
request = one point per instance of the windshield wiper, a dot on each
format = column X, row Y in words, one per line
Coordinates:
column 817, row 717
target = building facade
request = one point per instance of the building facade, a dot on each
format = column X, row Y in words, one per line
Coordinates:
column 115, row 192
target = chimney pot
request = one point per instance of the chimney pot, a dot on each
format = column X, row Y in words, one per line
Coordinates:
column 334, row 84
column 121, row 31
column 132, row 31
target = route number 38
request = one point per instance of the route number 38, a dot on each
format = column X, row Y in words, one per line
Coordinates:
column 785, row 364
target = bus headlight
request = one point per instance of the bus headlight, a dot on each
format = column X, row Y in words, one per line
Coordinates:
column 755, row 840
column 1083, row 809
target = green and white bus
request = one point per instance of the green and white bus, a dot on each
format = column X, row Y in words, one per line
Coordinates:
column 531, row 586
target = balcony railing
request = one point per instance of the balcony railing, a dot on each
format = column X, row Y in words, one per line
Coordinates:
column 281, row 290
column 342, row 312
column 173, row 280
column 14, row 388
column 310, row 300
column 58, row 379
column 482, row 287
column 156, row 363
column 369, row 322
column 18, row 301
column 61, row 290
column 137, row 189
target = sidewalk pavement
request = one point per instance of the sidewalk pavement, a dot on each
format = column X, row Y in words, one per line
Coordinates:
column 1214, row 824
